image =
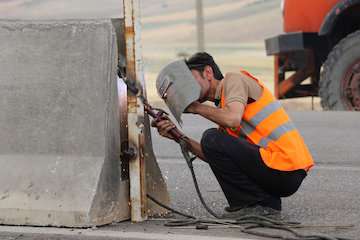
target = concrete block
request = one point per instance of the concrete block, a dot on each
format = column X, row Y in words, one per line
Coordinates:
column 59, row 124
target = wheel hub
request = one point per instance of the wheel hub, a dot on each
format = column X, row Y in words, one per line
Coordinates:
column 351, row 87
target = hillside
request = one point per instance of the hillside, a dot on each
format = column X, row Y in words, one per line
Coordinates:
column 165, row 20
column 226, row 21
column 235, row 29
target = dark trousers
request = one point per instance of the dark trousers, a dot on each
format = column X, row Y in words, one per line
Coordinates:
column 242, row 174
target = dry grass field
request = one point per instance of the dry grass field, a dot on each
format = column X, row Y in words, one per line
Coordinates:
column 235, row 30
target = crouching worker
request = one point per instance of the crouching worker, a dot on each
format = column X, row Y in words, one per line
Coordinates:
column 256, row 154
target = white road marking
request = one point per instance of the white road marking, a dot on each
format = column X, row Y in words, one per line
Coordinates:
column 112, row 234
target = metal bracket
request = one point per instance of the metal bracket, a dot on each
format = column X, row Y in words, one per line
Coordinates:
column 129, row 152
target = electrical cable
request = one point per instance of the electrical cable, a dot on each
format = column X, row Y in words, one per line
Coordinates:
column 189, row 160
column 247, row 224
column 168, row 208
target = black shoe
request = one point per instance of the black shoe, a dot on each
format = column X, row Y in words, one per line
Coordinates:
column 272, row 202
column 232, row 209
column 253, row 211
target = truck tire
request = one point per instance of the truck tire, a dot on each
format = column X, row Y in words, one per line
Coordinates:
column 340, row 78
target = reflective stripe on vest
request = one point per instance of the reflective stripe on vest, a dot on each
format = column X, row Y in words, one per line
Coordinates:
column 265, row 112
column 248, row 126
column 266, row 124
column 248, row 129
column 277, row 133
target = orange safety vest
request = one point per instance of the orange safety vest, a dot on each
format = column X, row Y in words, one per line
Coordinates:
column 266, row 124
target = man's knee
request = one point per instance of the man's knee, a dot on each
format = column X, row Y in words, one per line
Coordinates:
column 209, row 141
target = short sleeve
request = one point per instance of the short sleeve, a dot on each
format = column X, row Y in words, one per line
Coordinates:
column 235, row 89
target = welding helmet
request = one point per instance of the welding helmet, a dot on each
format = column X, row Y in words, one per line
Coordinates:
column 177, row 87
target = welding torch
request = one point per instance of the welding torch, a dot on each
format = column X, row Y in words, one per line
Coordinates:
column 156, row 113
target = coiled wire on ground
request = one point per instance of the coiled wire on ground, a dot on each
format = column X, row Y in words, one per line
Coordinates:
column 249, row 224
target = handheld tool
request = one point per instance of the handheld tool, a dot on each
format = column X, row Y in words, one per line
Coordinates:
column 250, row 222
column 159, row 114
column 156, row 113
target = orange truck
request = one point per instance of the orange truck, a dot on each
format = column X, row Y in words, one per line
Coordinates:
column 319, row 53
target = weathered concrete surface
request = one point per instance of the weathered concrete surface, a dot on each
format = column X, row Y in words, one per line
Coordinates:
column 59, row 124
column 329, row 195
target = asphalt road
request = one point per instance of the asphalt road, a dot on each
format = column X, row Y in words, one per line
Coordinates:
column 328, row 197
column 329, row 194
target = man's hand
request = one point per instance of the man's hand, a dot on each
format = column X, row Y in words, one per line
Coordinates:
column 163, row 127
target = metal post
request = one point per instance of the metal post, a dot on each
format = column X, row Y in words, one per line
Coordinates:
column 134, row 72
column 200, row 26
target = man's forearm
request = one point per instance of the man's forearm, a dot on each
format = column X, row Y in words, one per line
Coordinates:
column 219, row 116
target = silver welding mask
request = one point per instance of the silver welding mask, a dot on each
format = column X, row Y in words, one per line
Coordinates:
column 177, row 87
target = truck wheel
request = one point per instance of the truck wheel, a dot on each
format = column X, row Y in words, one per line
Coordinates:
column 340, row 78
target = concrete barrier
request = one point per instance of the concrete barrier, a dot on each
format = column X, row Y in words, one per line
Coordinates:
column 59, row 124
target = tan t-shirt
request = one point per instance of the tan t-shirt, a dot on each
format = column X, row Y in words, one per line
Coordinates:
column 239, row 87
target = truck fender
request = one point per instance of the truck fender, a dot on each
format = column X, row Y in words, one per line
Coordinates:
column 331, row 18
